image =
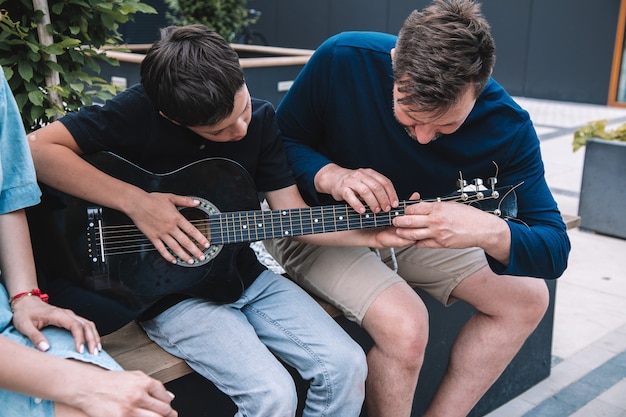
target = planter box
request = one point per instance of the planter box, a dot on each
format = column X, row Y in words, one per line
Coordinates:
column 603, row 191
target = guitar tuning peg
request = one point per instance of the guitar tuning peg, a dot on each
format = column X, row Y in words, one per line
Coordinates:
column 461, row 183
column 477, row 182
column 492, row 182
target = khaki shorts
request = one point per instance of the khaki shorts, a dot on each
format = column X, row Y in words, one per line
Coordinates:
column 351, row 278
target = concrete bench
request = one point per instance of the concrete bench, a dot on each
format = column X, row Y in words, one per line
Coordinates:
column 134, row 351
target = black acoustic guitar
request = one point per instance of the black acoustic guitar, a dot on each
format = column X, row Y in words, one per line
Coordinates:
column 112, row 257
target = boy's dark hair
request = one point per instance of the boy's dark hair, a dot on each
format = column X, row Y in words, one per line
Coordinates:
column 192, row 75
column 440, row 51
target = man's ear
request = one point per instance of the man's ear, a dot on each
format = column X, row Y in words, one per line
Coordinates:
column 171, row 120
column 392, row 53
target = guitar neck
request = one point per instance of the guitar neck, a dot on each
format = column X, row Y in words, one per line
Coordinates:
column 255, row 225
column 250, row 226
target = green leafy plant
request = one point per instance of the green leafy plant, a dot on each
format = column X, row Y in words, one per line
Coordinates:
column 78, row 31
column 597, row 129
column 226, row 17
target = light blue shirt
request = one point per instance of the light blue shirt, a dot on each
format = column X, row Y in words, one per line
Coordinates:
column 18, row 190
column 18, row 183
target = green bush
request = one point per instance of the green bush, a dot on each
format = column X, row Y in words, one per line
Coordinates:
column 79, row 29
column 226, row 17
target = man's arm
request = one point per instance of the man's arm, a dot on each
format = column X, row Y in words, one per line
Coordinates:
column 455, row 226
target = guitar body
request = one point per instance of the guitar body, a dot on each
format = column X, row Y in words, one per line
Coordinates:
column 140, row 278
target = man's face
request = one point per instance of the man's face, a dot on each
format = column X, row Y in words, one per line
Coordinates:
column 232, row 128
column 425, row 127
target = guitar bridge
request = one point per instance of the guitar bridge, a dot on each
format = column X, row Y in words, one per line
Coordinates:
column 95, row 249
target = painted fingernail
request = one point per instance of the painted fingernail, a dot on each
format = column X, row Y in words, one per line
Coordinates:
column 43, row 346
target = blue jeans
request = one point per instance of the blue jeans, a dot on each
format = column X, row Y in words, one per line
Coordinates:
column 233, row 345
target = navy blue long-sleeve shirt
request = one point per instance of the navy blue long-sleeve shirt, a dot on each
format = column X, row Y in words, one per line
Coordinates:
column 340, row 109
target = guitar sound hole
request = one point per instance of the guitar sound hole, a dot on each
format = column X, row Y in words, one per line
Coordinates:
column 199, row 217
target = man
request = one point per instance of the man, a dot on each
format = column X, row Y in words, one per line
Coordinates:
column 193, row 104
column 371, row 119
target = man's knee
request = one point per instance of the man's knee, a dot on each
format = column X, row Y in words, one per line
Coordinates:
column 526, row 304
column 536, row 301
column 398, row 323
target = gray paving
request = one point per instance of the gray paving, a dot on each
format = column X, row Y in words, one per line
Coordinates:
column 588, row 377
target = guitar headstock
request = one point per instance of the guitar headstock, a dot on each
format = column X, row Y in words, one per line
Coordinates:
column 500, row 201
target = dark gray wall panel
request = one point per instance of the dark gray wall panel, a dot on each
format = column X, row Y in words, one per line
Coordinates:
column 510, row 21
column 571, row 50
column 346, row 15
column 551, row 49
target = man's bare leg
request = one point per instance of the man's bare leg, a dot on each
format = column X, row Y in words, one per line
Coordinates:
column 397, row 321
column 509, row 309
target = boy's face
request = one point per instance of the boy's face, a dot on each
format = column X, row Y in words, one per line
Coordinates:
column 232, row 128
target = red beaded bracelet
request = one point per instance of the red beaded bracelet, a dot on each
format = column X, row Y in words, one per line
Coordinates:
column 36, row 292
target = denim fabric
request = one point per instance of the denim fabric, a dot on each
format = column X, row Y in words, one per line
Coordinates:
column 18, row 184
column 61, row 345
column 233, row 346
column 18, row 405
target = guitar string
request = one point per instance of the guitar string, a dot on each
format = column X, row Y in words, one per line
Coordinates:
column 128, row 239
column 114, row 246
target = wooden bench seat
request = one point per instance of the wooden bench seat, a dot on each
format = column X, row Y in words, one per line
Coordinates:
column 135, row 351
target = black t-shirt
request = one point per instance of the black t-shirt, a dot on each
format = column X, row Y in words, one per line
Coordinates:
column 130, row 126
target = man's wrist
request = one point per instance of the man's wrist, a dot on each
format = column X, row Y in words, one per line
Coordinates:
column 323, row 179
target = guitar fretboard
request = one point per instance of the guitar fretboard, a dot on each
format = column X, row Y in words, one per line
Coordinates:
column 250, row 226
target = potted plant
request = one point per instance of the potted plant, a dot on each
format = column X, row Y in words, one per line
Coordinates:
column 602, row 193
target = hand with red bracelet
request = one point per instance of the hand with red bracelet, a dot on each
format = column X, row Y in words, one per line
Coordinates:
column 31, row 314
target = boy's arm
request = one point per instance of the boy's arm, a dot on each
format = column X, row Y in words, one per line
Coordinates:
column 58, row 164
